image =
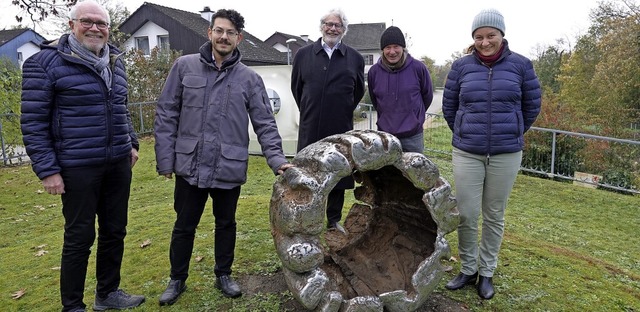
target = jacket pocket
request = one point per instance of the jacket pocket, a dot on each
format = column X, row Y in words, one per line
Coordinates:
column 457, row 127
column 186, row 156
column 232, row 167
column 193, row 93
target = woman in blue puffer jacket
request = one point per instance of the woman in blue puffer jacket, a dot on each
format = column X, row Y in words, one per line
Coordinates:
column 492, row 97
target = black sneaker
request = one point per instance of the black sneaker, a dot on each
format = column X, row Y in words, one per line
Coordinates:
column 173, row 292
column 118, row 300
column 228, row 286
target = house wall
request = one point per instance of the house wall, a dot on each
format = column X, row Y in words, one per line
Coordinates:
column 278, row 78
column 150, row 30
column 28, row 49
column 9, row 50
column 27, row 43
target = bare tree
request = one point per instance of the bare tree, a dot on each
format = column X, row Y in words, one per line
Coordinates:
column 37, row 10
column 51, row 17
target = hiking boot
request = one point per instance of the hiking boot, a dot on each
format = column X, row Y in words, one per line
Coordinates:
column 173, row 292
column 118, row 300
column 228, row 286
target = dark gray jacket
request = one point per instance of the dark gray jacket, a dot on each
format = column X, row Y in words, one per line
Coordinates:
column 202, row 121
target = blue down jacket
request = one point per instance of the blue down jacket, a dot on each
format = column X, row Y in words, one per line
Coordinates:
column 69, row 117
column 490, row 108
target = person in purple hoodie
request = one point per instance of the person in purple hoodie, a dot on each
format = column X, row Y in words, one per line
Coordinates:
column 401, row 91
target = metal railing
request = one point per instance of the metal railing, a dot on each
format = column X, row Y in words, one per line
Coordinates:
column 550, row 153
column 11, row 147
column 596, row 160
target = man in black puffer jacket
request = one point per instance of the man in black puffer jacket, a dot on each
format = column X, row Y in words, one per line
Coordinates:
column 77, row 131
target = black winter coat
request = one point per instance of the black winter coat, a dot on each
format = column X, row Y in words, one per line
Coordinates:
column 327, row 92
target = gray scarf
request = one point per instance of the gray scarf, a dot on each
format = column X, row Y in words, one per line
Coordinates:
column 396, row 66
column 101, row 64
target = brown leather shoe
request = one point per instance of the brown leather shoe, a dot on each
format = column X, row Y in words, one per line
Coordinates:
column 485, row 287
column 461, row 280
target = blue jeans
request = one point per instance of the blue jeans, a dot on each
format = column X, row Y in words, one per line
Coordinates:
column 414, row 143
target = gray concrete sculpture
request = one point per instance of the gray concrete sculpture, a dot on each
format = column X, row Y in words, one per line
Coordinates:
column 389, row 259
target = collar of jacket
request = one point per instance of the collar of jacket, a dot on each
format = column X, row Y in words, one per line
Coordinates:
column 206, row 57
column 505, row 52
column 317, row 47
column 61, row 44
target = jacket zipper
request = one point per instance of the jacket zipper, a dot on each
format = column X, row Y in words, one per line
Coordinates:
column 490, row 114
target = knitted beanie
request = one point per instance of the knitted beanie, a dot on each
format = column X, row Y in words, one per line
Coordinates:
column 488, row 18
column 392, row 35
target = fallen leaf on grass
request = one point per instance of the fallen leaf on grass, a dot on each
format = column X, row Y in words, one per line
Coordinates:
column 18, row 294
column 454, row 259
column 146, row 243
column 41, row 253
column 39, row 191
column 56, row 268
column 39, row 246
column 199, row 258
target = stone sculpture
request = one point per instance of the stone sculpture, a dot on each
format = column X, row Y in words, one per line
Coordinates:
column 389, row 257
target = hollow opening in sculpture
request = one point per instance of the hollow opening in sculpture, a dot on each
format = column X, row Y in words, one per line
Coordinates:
column 389, row 233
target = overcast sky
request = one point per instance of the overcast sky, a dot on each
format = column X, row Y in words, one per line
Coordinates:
column 436, row 30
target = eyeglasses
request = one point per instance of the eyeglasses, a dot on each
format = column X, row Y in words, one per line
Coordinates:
column 330, row 25
column 89, row 23
column 230, row 33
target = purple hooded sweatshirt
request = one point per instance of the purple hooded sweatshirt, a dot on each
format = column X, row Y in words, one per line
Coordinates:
column 401, row 97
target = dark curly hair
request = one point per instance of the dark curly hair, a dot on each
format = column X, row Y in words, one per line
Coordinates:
column 236, row 19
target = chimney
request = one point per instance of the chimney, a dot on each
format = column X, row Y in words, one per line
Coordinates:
column 206, row 13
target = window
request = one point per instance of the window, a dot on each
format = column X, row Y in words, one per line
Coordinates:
column 163, row 42
column 274, row 98
column 368, row 59
column 142, row 43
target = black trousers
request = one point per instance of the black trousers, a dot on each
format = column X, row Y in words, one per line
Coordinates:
column 335, row 201
column 189, row 202
column 101, row 191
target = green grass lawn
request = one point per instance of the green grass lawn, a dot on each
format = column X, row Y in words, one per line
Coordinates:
column 566, row 248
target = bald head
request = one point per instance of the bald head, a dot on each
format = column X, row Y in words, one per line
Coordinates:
column 91, row 5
